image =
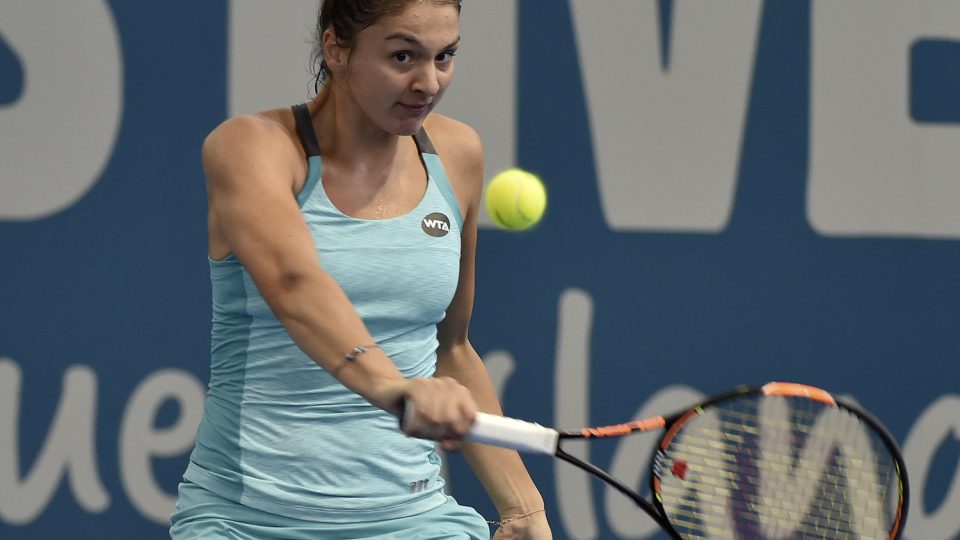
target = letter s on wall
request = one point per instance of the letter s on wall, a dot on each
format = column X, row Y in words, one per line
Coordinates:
column 52, row 149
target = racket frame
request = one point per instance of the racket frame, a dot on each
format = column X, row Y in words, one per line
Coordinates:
column 673, row 423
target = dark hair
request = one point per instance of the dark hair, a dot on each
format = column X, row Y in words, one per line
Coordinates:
column 348, row 18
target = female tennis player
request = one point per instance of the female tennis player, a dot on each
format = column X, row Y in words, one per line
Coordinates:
column 342, row 238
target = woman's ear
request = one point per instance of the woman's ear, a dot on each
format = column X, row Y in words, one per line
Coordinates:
column 335, row 54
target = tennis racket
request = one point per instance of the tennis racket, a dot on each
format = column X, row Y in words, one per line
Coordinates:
column 781, row 461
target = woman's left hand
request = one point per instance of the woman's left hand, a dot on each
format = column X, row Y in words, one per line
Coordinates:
column 532, row 527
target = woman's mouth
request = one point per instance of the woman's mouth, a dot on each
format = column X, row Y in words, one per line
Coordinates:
column 416, row 110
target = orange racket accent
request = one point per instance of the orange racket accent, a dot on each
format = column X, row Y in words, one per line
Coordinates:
column 668, row 436
column 899, row 522
column 798, row 390
column 622, row 429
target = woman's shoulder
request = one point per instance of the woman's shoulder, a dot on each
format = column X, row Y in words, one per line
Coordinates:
column 253, row 141
column 271, row 127
column 461, row 153
column 454, row 140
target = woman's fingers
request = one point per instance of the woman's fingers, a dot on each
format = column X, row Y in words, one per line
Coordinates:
column 439, row 409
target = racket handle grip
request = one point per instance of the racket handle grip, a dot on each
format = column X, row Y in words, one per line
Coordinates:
column 512, row 433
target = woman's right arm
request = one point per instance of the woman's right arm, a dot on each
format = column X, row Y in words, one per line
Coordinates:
column 250, row 166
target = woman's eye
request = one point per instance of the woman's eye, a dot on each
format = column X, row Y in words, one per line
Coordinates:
column 446, row 56
column 403, row 57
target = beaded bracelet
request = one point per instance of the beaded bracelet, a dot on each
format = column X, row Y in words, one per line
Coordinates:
column 358, row 350
column 514, row 518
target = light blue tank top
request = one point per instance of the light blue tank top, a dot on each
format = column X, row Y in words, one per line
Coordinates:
column 281, row 434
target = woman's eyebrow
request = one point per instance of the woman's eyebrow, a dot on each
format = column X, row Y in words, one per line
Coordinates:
column 409, row 38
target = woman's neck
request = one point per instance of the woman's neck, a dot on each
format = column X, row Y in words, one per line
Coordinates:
column 347, row 135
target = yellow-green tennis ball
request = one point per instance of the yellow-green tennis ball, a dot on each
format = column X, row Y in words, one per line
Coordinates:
column 516, row 199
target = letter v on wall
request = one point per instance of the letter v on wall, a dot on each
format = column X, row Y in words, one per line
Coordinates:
column 667, row 142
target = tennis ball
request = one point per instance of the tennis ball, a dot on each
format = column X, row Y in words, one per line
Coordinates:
column 516, row 199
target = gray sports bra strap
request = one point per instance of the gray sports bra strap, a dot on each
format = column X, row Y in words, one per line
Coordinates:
column 308, row 137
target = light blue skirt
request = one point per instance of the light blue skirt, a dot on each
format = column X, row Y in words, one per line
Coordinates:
column 201, row 514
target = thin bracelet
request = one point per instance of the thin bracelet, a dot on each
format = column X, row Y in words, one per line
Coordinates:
column 514, row 518
column 358, row 350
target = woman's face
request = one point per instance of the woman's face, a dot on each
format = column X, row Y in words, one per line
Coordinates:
column 398, row 68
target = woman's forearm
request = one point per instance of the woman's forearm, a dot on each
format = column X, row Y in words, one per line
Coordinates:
column 501, row 471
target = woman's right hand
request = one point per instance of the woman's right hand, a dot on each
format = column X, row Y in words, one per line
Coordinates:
column 439, row 409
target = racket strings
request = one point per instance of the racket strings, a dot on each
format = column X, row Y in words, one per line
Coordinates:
column 725, row 455
column 778, row 468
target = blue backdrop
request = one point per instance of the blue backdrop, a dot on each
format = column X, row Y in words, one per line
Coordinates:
column 104, row 303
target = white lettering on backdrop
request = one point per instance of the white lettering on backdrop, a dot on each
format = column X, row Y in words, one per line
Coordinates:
column 58, row 136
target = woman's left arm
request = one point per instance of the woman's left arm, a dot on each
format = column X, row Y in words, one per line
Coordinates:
column 501, row 471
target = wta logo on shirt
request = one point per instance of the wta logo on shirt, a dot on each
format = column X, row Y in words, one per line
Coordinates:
column 436, row 224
